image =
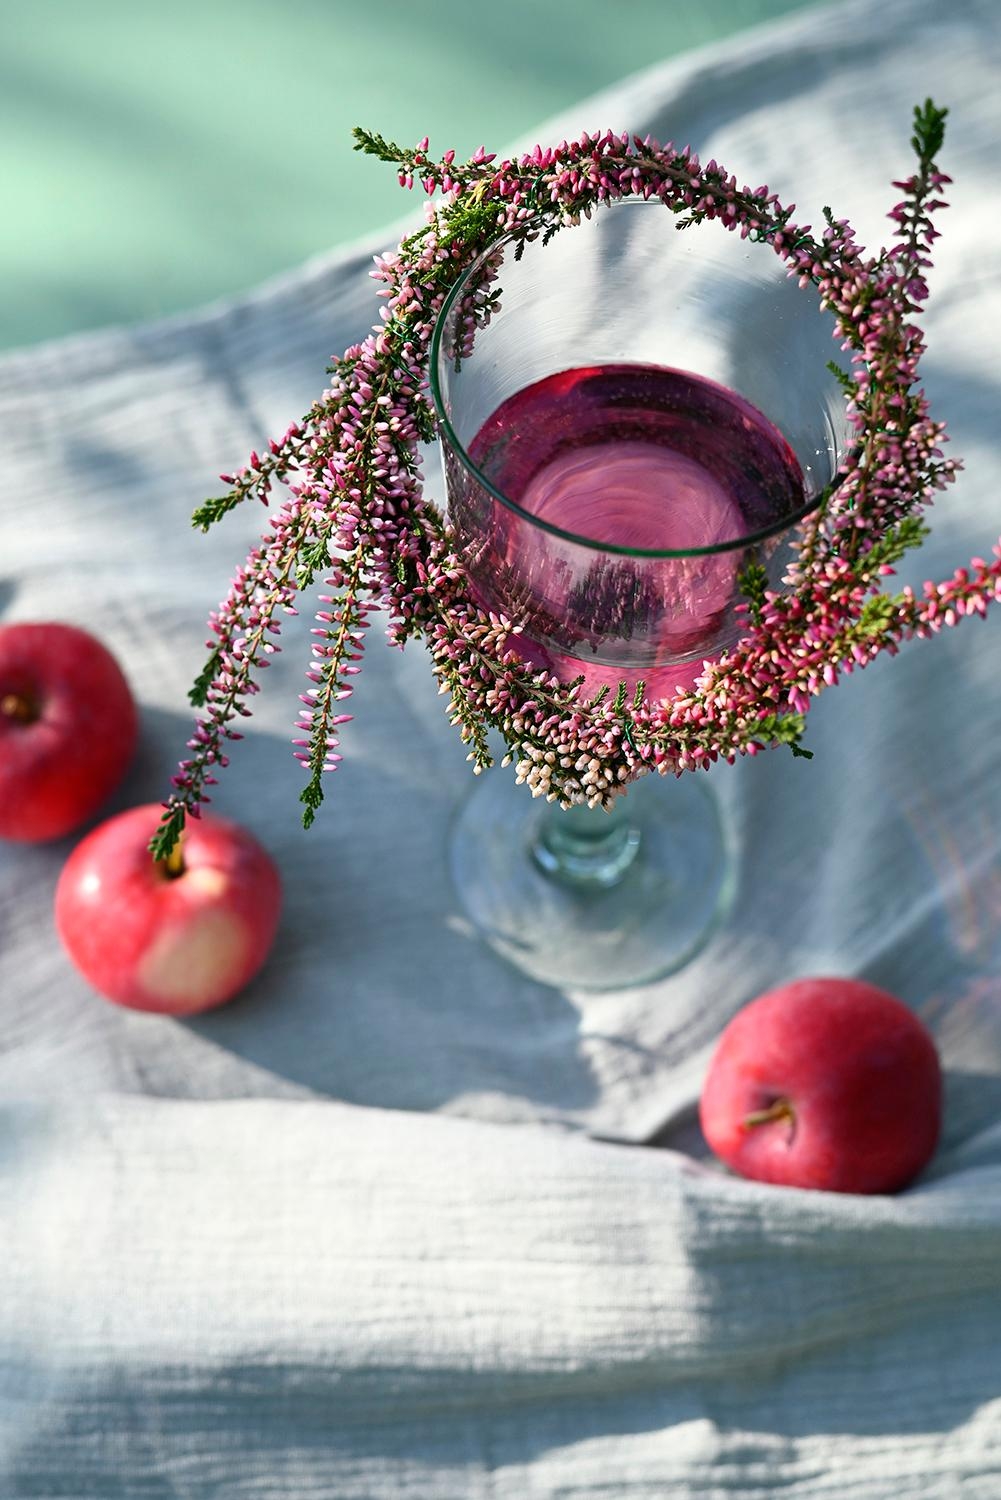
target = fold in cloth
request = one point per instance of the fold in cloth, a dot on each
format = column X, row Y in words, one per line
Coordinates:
column 353, row 1236
column 312, row 1299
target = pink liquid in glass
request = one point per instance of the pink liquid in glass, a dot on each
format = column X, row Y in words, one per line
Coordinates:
column 640, row 459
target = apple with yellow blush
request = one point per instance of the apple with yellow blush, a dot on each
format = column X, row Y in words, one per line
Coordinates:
column 175, row 936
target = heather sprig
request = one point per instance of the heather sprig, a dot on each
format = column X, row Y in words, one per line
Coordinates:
column 257, row 478
column 357, row 515
column 341, row 642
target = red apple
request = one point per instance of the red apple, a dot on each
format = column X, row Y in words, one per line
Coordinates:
column 68, row 729
column 824, row 1083
column 174, row 940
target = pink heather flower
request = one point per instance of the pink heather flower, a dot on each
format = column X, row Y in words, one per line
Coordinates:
column 356, row 512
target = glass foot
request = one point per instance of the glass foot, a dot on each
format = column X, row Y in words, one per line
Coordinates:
column 587, row 898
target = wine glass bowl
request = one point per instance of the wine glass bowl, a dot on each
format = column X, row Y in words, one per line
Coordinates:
column 640, row 415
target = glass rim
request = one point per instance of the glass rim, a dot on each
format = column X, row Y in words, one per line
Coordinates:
column 748, row 539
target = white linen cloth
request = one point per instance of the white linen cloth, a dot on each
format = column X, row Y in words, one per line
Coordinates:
column 354, row 1236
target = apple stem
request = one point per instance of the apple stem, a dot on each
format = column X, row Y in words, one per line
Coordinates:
column 15, row 706
column 174, row 863
column 781, row 1109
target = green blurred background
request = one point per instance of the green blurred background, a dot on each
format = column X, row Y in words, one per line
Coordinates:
column 153, row 158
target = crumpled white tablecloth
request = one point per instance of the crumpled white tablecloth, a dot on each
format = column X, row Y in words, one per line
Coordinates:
column 354, row 1236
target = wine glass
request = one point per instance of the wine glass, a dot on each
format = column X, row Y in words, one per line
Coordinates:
column 629, row 416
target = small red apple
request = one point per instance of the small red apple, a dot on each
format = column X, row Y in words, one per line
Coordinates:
column 175, row 936
column 68, row 729
column 824, row 1083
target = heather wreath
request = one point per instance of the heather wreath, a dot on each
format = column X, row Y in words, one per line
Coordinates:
column 356, row 516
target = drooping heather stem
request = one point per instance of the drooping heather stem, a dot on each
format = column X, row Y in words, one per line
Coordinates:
column 335, row 655
column 358, row 516
column 244, row 628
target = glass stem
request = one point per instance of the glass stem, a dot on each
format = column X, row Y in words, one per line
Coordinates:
column 586, row 846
